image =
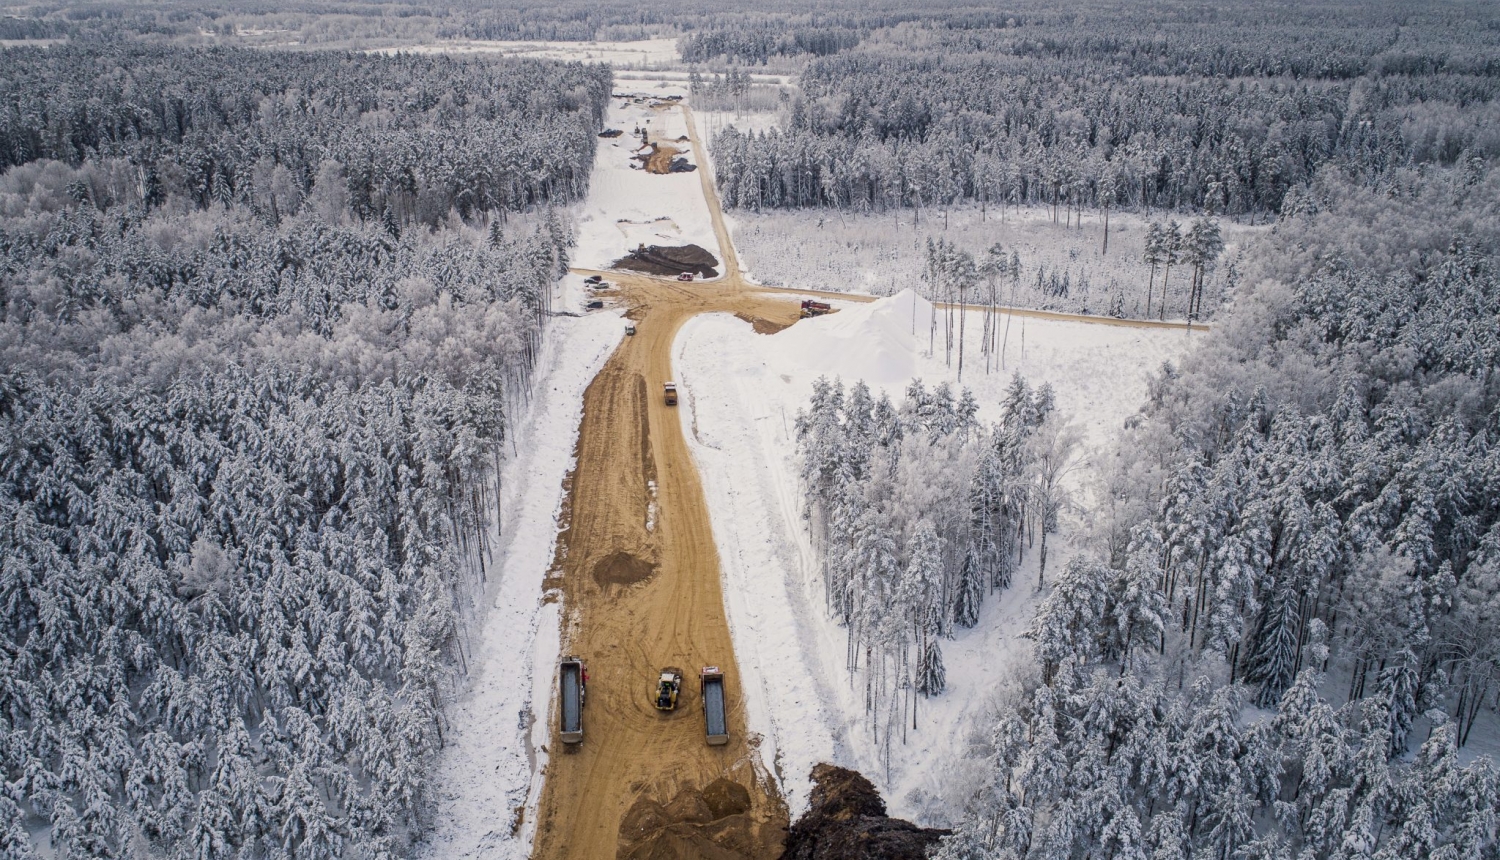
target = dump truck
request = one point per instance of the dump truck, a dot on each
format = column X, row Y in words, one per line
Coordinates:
column 670, row 391
column 668, row 686
column 811, row 308
column 572, row 678
column 714, row 723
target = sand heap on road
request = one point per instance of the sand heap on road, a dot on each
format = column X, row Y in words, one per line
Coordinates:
column 669, row 261
column 712, row 823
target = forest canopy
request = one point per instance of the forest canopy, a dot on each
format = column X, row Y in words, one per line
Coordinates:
column 265, row 320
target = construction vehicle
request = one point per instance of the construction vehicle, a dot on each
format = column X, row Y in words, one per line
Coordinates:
column 811, row 308
column 670, row 390
column 573, row 679
column 714, row 724
column 667, row 688
column 685, row 276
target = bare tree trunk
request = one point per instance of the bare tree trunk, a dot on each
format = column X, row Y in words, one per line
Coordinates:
column 1164, row 276
column 1041, row 572
column 963, row 315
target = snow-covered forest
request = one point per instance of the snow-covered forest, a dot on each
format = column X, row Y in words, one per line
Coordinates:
column 1119, row 113
column 1274, row 630
column 1277, row 630
column 1284, row 633
column 268, row 320
column 280, row 284
column 919, row 511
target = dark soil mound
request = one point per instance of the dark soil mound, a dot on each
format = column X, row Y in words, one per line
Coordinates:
column 846, row 820
column 663, row 260
column 725, row 798
column 622, row 568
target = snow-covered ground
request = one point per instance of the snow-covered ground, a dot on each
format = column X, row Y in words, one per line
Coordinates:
column 742, row 393
column 488, row 782
column 882, row 254
column 627, row 206
column 641, row 54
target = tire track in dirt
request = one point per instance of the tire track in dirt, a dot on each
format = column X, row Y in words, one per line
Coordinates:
column 637, row 599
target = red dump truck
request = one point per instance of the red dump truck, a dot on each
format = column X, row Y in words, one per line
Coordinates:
column 714, row 724
column 811, row 308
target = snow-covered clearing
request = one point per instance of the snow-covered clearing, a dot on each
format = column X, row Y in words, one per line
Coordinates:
column 488, row 782
column 626, row 205
column 711, row 123
column 742, row 393
column 882, row 254
column 640, row 54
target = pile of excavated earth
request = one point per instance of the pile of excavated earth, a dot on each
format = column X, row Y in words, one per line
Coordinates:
column 670, row 261
column 663, row 159
column 846, row 821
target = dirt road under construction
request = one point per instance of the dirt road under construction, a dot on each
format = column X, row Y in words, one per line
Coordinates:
column 639, row 574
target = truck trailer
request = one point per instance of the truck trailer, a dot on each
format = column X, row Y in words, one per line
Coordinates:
column 714, row 724
column 572, row 679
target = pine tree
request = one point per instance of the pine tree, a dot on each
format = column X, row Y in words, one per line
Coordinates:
column 1398, row 694
column 970, row 593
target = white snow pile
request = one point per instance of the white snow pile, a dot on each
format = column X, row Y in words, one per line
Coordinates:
column 874, row 341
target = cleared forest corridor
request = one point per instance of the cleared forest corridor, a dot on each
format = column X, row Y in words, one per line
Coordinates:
column 639, row 573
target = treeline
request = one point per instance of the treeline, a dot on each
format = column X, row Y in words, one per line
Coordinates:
column 1118, row 108
column 881, row 130
column 1302, row 519
column 250, row 445
column 918, row 511
column 756, row 45
column 415, row 137
column 1309, row 41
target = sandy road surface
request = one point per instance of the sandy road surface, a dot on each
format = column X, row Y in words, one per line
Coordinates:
column 640, row 577
column 639, row 573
